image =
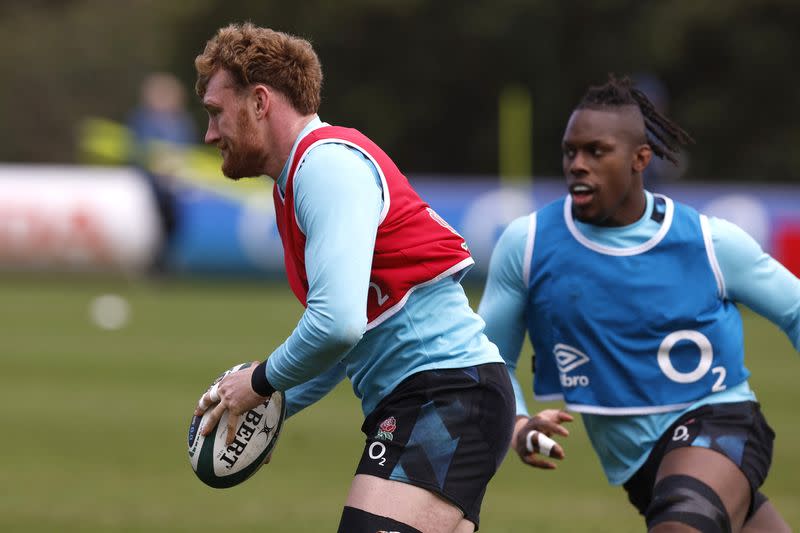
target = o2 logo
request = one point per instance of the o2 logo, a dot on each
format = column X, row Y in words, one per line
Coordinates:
column 703, row 366
column 377, row 451
column 681, row 433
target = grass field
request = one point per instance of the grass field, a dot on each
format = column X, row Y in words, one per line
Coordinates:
column 98, row 421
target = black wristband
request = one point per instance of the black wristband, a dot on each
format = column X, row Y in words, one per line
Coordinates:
column 259, row 381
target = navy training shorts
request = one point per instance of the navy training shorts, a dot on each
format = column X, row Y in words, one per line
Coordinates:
column 446, row 431
column 738, row 430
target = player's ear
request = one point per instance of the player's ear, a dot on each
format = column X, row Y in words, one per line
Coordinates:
column 261, row 98
column 641, row 158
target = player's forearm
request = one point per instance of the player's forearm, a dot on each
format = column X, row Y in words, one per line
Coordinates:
column 522, row 409
column 755, row 279
column 334, row 320
column 774, row 293
column 321, row 339
column 338, row 205
column 507, row 331
column 502, row 306
column 299, row 397
column 782, row 305
column 503, row 312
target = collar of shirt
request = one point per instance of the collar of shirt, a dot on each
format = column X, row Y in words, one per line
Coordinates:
column 629, row 235
column 284, row 175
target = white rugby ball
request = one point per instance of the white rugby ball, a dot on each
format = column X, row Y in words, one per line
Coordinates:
column 219, row 465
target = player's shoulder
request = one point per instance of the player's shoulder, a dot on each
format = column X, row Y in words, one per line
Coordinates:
column 333, row 152
column 728, row 236
column 515, row 234
column 520, row 228
column 723, row 226
column 334, row 164
column 520, row 225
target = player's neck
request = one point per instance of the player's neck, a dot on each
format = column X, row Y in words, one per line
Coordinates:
column 629, row 212
column 283, row 132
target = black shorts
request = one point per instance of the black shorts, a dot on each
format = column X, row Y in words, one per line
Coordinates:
column 737, row 430
column 446, row 431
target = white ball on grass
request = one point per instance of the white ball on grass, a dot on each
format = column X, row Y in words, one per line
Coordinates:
column 109, row 311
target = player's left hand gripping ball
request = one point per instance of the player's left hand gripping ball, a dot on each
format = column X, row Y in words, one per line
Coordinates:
column 220, row 465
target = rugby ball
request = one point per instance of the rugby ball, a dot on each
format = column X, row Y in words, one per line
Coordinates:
column 219, row 465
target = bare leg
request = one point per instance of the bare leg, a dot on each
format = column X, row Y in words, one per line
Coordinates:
column 716, row 471
column 766, row 520
column 673, row 527
column 465, row 527
column 406, row 503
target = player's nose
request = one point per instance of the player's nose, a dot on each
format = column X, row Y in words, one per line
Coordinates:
column 212, row 135
column 577, row 165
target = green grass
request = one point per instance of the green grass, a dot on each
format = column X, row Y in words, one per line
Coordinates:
column 95, row 421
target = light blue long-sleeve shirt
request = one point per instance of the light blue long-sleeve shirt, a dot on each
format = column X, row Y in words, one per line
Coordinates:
column 338, row 198
column 750, row 276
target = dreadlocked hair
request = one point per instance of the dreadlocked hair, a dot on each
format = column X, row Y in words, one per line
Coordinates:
column 664, row 136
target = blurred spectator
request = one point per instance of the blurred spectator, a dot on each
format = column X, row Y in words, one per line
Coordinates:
column 659, row 171
column 162, row 129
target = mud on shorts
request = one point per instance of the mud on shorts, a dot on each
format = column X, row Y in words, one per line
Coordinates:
column 446, row 431
column 738, row 430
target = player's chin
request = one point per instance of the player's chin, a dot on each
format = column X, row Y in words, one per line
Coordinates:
column 585, row 214
column 235, row 169
column 232, row 172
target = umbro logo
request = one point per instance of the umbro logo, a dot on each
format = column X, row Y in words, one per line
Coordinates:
column 569, row 358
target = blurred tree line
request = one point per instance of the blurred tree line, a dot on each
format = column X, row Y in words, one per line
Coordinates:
column 423, row 77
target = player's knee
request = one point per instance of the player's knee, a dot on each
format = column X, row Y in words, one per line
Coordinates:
column 689, row 501
column 358, row 521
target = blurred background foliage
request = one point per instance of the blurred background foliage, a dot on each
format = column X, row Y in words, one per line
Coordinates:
column 423, row 77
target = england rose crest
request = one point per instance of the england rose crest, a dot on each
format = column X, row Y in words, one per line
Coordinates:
column 386, row 429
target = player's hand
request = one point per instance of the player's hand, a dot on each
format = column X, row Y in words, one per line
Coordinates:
column 234, row 394
column 531, row 439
